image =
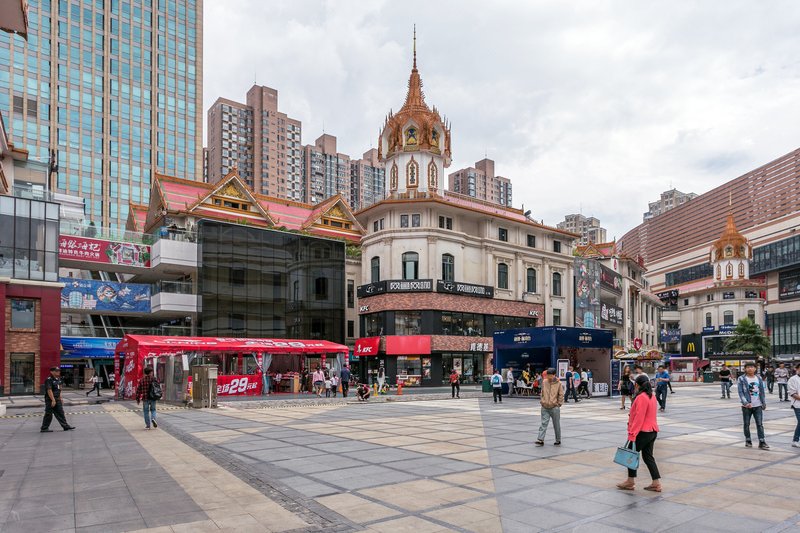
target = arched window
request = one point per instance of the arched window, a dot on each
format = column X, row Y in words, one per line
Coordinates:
column 751, row 315
column 729, row 271
column 393, row 177
column 410, row 265
column 741, row 270
column 412, row 174
column 433, row 175
column 728, row 318
column 502, row 276
column 448, row 267
column 530, row 285
column 708, row 320
column 556, row 284
column 375, row 270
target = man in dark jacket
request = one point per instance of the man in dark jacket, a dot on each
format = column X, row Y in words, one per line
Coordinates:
column 345, row 375
column 143, row 394
column 52, row 402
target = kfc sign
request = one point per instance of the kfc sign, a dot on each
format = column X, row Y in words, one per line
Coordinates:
column 367, row 346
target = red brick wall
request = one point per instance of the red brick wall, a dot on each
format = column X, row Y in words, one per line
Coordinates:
column 44, row 341
column 449, row 302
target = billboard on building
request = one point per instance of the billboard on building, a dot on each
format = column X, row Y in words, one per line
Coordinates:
column 71, row 247
column 587, row 293
column 95, row 295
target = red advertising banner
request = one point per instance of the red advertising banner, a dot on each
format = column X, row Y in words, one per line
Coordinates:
column 236, row 385
column 100, row 251
column 408, row 344
column 367, row 346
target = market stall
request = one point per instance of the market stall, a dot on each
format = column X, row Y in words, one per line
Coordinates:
column 244, row 364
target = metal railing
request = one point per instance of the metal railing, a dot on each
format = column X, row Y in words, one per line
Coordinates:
column 75, row 330
column 30, row 193
column 173, row 287
column 83, row 229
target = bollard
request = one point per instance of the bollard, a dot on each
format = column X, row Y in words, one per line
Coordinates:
column 400, row 388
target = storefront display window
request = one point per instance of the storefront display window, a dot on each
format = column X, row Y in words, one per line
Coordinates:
column 467, row 365
column 467, row 324
column 409, row 370
column 426, row 368
column 22, row 373
column 407, row 323
column 23, row 314
column 372, row 325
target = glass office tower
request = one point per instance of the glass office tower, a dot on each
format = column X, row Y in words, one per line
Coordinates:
column 115, row 87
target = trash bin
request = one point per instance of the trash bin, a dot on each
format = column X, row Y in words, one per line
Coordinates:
column 487, row 385
column 708, row 377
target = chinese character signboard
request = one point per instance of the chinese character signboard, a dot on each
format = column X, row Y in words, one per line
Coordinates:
column 466, row 289
column 104, row 295
column 611, row 314
column 610, row 279
column 99, row 251
column 670, row 335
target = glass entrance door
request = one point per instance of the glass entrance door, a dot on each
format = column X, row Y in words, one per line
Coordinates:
column 23, row 373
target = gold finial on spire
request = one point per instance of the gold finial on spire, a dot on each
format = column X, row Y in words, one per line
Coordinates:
column 730, row 199
column 415, row 47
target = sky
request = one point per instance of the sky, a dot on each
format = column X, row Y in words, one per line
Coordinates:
column 591, row 107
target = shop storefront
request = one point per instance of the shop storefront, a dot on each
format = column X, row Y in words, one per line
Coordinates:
column 83, row 357
column 421, row 360
column 558, row 347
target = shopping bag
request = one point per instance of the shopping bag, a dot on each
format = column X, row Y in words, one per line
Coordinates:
column 627, row 457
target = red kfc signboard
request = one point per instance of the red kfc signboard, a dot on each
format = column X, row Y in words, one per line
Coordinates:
column 71, row 247
column 367, row 346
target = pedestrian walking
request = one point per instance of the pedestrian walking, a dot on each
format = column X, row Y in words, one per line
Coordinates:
column 497, row 386
column 345, row 375
column 551, row 401
column 327, row 375
column 95, row 381
column 793, row 387
column 318, row 378
column 334, row 383
column 583, row 388
column 751, row 393
column 148, row 392
column 625, row 386
column 662, row 380
column 782, row 379
column 643, row 431
column 381, row 377
column 53, row 405
column 510, row 381
column 725, row 381
column 639, row 371
column 570, row 386
column 771, row 378
column 454, row 384
column 794, row 394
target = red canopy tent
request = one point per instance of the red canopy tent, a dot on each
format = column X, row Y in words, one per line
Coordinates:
column 137, row 349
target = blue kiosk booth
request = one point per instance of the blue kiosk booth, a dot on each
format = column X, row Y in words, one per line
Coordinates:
column 559, row 347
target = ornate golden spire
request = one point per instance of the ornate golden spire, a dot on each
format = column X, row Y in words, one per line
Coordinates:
column 415, row 47
column 415, row 98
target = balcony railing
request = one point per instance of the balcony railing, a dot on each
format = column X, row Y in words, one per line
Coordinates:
column 31, row 193
column 173, row 287
column 75, row 330
column 80, row 229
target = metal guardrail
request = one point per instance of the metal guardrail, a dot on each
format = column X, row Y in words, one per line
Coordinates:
column 76, row 330
column 31, row 193
column 91, row 231
column 173, row 287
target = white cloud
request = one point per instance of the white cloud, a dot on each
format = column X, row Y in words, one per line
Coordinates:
column 597, row 106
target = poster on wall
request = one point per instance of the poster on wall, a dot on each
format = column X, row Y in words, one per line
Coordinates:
column 101, row 251
column 426, row 368
column 789, row 285
column 95, row 295
column 587, row 293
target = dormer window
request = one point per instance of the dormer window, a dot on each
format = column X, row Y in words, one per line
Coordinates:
column 729, row 251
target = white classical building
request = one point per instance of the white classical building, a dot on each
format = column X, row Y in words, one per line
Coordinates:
column 442, row 271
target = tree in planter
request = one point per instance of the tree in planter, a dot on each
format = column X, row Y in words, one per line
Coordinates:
column 749, row 337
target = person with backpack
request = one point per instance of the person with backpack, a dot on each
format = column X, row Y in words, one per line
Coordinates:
column 149, row 392
column 497, row 386
column 751, row 393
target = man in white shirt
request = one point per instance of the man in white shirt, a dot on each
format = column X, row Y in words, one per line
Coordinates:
column 95, row 382
column 794, row 395
column 510, row 381
column 782, row 379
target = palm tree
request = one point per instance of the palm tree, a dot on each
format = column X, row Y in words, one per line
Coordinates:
column 749, row 337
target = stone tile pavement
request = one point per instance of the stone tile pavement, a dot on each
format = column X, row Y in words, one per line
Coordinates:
column 436, row 465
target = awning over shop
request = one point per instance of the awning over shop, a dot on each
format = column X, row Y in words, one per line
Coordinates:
column 153, row 345
column 88, row 347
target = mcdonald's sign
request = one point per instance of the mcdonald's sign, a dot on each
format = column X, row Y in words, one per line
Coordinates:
column 690, row 347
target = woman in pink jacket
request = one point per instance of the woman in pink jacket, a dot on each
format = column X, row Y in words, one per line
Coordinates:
column 643, row 430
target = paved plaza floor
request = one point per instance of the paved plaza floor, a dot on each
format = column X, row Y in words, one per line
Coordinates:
column 418, row 466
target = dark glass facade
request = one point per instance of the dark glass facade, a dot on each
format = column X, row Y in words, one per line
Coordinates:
column 263, row 283
column 776, row 255
column 691, row 273
column 439, row 323
column 785, row 329
column 28, row 239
